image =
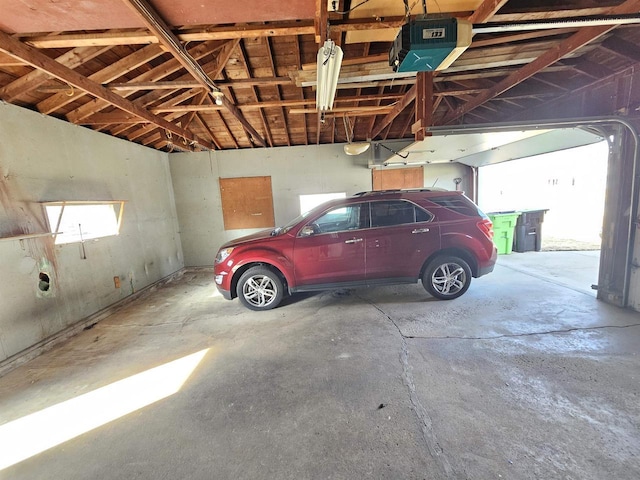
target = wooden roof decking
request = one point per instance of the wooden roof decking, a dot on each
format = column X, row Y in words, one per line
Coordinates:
column 134, row 83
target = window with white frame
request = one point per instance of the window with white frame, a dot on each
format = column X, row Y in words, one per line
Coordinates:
column 72, row 221
column 308, row 202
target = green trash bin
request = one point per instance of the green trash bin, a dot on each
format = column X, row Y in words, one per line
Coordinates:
column 503, row 227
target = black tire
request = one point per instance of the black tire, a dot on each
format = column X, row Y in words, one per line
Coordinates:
column 260, row 288
column 446, row 277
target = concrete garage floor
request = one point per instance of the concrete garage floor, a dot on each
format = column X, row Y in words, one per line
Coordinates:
column 521, row 378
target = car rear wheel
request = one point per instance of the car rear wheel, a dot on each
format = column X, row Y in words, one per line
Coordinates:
column 260, row 288
column 446, row 277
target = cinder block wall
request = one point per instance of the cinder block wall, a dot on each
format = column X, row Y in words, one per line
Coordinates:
column 44, row 159
column 294, row 171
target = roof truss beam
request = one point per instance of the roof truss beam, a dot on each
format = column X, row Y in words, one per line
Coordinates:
column 161, row 30
column 574, row 42
column 39, row 60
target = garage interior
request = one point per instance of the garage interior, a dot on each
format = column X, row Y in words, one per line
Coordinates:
column 118, row 358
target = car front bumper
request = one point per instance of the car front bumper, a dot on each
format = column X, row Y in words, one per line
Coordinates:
column 225, row 293
column 223, row 282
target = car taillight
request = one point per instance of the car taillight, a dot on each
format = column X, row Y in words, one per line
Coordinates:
column 486, row 226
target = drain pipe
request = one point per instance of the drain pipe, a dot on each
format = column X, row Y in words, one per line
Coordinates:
column 569, row 123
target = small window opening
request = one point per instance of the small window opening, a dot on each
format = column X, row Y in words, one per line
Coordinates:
column 309, row 202
column 73, row 222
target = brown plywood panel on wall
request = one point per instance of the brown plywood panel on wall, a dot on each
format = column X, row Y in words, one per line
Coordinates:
column 398, row 178
column 247, row 202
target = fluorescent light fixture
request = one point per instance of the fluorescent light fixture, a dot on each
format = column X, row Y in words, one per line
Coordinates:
column 329, row 61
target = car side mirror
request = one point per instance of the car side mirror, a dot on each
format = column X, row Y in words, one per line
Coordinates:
column 306, row 231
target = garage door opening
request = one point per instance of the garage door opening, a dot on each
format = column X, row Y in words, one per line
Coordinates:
column 568, row 188
column 569, row 184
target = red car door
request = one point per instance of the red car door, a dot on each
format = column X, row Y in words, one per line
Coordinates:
column 331, row 248
column 399, row 241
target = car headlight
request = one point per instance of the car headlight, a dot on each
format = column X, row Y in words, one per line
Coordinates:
column 223, row 254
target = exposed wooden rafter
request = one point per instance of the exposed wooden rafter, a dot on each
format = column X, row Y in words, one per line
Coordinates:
column 408, row 97
column 576, row 41
column 161, row 30
column 159, row 72
column 38, row 60
column 136, row 81
column 71, row 59
column 486, row 10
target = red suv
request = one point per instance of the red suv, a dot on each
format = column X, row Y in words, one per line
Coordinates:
column 373, row 238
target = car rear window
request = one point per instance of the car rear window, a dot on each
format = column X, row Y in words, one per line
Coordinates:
column 458, row 204
column 396, row 212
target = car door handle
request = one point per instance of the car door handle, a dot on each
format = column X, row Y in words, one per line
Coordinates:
column 353, row 240
column 420, row 230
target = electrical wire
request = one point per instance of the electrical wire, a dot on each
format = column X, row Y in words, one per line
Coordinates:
column 404, row 157
column 351, row 9
column 173, row 41
column 331, row 52
column 407, row 9
column 348, row 128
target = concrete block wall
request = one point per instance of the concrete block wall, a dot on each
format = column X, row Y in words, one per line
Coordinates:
column 294, row 171
column 44, row 159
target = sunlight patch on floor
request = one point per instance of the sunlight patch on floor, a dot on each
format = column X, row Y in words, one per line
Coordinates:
column 40, row 431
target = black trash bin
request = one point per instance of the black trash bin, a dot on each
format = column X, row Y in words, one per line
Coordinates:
column 528, row 234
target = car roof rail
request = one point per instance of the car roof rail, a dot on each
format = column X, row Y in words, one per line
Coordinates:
column 409, row 190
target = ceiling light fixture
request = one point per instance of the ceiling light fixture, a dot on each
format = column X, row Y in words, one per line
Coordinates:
column 356, row 148
column 353, row 148
column 329, row 62
column 217, row 96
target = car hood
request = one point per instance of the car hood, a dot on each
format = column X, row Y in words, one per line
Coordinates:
column 261, row 235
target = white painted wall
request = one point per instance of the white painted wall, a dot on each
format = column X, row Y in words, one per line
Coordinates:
column 442, row 175
column 44, row 159
column 294, row 171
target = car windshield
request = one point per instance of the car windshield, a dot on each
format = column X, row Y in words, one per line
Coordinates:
column 298, row 219
column 290, row 225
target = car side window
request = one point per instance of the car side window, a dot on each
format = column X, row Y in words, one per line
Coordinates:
column 396, row 212
column 457, row 204
column 422, row 216
column 339, row 219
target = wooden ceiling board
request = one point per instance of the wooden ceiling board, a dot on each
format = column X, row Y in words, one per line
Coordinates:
column 394, row 8
column 31, row 16
column 254, row 71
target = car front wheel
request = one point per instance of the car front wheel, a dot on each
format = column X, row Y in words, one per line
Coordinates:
column 446, row 277
column 260, row 288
